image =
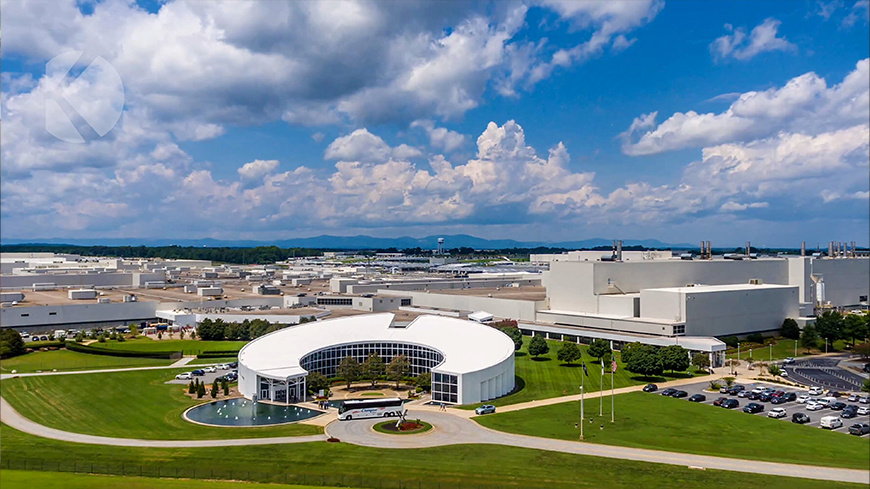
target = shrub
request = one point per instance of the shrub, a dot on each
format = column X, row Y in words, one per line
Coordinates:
column 731, row 341
column 418, row 389
column 715, row 385
column 200, row 391
column 102, row 338
column 729, row 381
column 332, row 439
column 755, row 338
column 190, row 387
column 121, row 338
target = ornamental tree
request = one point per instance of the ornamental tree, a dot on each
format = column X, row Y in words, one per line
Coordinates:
column 569, row 352
column 538, row 346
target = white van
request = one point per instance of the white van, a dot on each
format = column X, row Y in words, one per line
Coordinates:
column 827, row 401
column 831, row 422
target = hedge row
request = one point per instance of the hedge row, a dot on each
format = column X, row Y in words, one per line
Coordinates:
column 70, row 345
column 218, row 354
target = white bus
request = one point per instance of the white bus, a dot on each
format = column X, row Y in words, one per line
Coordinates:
column 370, row 408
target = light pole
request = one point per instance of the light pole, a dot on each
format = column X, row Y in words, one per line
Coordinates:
column 826, row 345
column 795, row 348
column 770, row 357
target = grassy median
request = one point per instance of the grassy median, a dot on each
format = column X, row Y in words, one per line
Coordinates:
column 62, row 360
column 663, row 423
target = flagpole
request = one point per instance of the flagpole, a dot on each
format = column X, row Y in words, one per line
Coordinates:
column 612, row 374
column 601, row 391
column 582, row 383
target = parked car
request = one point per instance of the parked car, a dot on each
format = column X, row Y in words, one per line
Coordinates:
column 223, row 366
column 788, row 360
column 743, row 393
column 815, row 406
column 864, row 400
column 816, row 391
column 849, row 411
column 735, row 389
column 800, row 418
column 485, row 409
column 784, row 373
column 777, row 412
column 198, row 372
column 730, row 404
column 724, row 389
column 831, row 422
column 863, row 410
column 668, row 392
column 719, row 401
column 837, row 406
column 679, row 393
column 852, row 398
column 698, row 398
column 234, row 364
column 758, row 390
column 650, row 388
column 753, row 396
column 834, row 394
column 209, row 370
column 787, row 397
column 765, row 397
column 184, row 376
column 859, row 429
column 753, row 407
column 803, row 399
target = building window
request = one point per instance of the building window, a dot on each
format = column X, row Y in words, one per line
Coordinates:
column 680, row 329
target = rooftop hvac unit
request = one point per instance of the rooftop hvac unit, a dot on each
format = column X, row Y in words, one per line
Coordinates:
column 756, row 281
column 686, row 256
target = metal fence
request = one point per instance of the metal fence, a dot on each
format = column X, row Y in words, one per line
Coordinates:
column 277, row 476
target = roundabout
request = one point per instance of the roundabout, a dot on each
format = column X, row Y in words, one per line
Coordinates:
column 402, row 428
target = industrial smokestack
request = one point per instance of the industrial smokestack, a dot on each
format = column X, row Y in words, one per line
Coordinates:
column 803, row 248
column 830, row 249
column 619, row 251
column 854, row 253
column 748, row 247
column 709, row 251
column 703, row 251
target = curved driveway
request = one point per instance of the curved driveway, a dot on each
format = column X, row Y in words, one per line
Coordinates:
column 452, row 430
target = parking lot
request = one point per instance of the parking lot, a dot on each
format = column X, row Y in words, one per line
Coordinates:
column 207, row 377
column 791, row 407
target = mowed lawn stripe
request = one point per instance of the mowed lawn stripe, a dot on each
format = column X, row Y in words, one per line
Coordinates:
column 662, row 423
column 21, row 479
column 70, row 360
column 135, row 404
column 189, row 347
column 456, row 466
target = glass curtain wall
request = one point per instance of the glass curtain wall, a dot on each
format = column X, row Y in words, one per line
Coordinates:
column 326, row 361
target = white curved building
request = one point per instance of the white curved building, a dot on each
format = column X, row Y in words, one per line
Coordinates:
column 469, row 362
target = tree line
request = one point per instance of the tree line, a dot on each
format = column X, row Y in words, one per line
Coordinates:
column 219, row 330
column 259, row 254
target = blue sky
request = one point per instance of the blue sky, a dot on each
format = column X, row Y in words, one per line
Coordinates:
column 680, row 121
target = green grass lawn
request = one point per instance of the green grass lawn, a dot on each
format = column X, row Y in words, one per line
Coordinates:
column 20, row 479
column 209, row 361
column 71, row 360
column 134, row 404
column 663, row 423
column 189, row 347
column 459, row 466
column 545, row 376
column 783, row 348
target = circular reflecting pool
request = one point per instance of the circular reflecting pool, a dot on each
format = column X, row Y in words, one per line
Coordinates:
column 244, row 412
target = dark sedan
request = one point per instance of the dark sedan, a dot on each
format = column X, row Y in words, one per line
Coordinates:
column 753, row 396
column 787, row 397
column 679, row 394
column 765, row 397
column 650, row 388
column 698, row 398
column 719, row 401
column 668, row 392
column 849, row 411
column 730, row 404
column 800, row 418
column 838, row 406
column 753, row 407
column 735, row 389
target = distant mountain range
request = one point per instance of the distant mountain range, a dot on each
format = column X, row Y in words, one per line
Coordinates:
column 353, row 242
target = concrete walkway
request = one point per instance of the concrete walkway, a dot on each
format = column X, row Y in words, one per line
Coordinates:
column 451, row 430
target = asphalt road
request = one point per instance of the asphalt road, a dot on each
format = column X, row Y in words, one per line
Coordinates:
column 790, row 407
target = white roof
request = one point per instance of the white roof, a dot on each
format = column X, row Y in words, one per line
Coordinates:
column 700, row 289
column 467, row 346
column 480, row 316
